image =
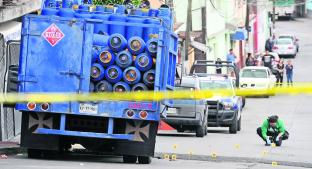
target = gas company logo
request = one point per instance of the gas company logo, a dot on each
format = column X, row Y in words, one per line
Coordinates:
column 53, row 35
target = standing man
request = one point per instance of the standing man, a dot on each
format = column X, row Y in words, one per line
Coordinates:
column 273, row 131
column 231, row 57
column 218, row 66
column 289, row 72
column 267, row 59
column 250, row 61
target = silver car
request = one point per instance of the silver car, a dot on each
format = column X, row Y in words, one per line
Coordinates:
column 285, row 47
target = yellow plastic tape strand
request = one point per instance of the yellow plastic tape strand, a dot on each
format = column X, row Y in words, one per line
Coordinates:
column 148, row 95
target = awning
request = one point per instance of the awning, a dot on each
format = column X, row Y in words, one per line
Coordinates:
column 240, row 34
column 200, row 46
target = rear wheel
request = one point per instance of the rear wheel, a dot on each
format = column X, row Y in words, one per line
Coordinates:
column 144, row 159
column 130, row 159
column 200, row 131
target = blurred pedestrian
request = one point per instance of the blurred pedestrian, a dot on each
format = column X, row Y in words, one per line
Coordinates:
column 289, row 72
column 267, row 59
column 273, row 131
column 231, row 57
column 218, row 66
column 280, row 73
column 269, row 44
column 250, row 61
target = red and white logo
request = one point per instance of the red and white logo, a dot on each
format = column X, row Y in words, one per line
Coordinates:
column 53, row 34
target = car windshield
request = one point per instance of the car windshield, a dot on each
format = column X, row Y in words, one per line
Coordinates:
column 284, row 41
column 286, row 37
column 254, row 73
column 215, row 84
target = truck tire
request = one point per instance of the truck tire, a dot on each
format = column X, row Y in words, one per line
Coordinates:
column 234, row 126
column 144, row 160
column 130, row 159
column 200, row 131
column 239, row 127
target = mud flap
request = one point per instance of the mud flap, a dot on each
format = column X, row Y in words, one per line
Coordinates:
column 31, row 121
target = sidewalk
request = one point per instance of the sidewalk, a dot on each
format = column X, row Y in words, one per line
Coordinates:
column 9, row 148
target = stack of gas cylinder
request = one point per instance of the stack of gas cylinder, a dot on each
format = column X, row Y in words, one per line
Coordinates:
column 125, row 43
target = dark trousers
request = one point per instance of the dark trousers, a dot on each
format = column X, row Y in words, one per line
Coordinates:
column 279, row 79
column 273, row 136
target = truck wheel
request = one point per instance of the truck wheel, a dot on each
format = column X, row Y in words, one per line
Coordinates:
column 239, row 127
column 130, row 159
column 234, row 126
column 200, row 131
column 34, row 153
column 144, row 160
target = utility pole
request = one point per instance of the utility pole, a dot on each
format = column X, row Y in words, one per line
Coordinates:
column 187, row 34
column 273, row 17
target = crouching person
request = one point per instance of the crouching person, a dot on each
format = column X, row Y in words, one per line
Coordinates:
column 273, row 131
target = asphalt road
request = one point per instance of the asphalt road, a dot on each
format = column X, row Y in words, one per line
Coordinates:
column 243, row 150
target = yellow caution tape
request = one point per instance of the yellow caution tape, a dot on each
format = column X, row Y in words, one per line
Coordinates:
column 147, row 95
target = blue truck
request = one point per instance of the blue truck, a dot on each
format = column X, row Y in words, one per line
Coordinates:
column 94, row 49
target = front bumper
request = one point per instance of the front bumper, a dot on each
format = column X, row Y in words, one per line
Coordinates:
column 217, row 118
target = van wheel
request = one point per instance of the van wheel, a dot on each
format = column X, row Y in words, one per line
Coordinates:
column 144, row 159
column 234, row 126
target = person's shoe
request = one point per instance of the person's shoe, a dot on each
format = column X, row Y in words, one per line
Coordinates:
column 267, row 144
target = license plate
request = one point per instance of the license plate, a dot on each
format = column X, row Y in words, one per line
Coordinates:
column 88, row 108
column 172, row 111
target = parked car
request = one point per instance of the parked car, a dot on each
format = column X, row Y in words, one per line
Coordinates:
column 223, row 111
column 292, row 37
column 188, row 114
column 285, row 47
column 257, row 77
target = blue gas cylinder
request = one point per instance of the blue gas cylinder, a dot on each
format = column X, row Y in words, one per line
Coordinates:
column 66, row 12
column 91, row 87
column 113, row 28
column 109, row 8
column 121, row 9
column 106, row 57
column 49, row 11
column 121, row 87
column 103, row 86
column 84, row 7
column 131, row 75
column 113, row 74
column 136, row 45
column 153, row 12
column 97, row 72
column 145, row 11
column 50, row 3
column 143, row 62
column 124, row 59
column 67, row 3
column 99, row 9
column 165, row 15
column 149, row 78
column 117, row 42
column 83, row 14
column 151, row 32
column 100, row 40
column 139, row 87
column 101, row 28
column 134, row 30
column 151, row 47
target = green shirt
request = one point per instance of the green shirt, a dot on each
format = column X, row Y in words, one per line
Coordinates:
column 266, row 125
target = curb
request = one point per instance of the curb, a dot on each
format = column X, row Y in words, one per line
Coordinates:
column 161, row 155
column 12, row 150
